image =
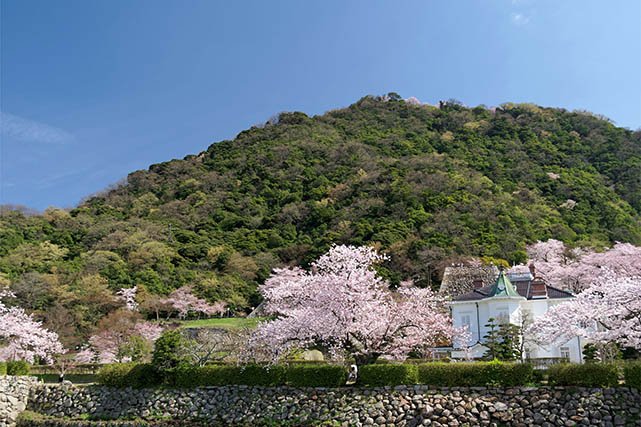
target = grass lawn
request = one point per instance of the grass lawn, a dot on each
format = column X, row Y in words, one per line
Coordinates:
column 223, row 323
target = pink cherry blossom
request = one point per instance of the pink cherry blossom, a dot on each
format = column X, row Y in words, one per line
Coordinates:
column 345, row 308
column 185, row 302
column 23, row 338
column 576, row 269
column 608, row 311
column 106, row 344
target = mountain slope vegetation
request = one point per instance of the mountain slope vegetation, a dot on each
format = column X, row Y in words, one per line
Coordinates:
column 426, row 184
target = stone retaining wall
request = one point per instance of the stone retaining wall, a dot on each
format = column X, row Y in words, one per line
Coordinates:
column 398, row 406
column 14, row 392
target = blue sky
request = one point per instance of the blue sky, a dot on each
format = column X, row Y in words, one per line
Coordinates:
column 94, row 89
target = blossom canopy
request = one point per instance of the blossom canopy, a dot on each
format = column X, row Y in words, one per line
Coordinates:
column 344, row 307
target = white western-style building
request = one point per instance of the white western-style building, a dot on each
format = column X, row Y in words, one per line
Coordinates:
column 516, row 297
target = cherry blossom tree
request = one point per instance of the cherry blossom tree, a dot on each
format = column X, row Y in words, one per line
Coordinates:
column 343, row 307
column 576, row 269
column 122, row 336
column 24, row 338
column 207, row 345
column 185, row 302
column 609, row 311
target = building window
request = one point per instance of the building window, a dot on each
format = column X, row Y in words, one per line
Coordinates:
column 466, row 320
column 502, row 315
column 565, row 352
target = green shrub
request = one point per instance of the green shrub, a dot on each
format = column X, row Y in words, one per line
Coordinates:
column 451, row 374
column 632, row 374
column 166, row 355
column 261, row 375
column 144, row 375
column 316, row 375
column 220, row 375
column 3, row 368
column 17, row 367
column 475, row 374
column 388, row 374
column 586, row 375
column 129, row 375
column 115, row 375
column 508, row 374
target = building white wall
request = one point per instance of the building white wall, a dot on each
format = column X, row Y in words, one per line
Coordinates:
column 515, row 308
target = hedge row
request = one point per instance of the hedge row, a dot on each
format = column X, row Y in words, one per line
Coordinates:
column 448, row 374
column 476, row 374
column 632, row 374
column 14, row 367
column 314, row 375
column 320, row 375
column 18, row 367
column 586, row 375
column 145, row 375
column 388, row 374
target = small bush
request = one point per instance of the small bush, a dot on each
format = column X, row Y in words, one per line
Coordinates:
column 3, row 368
column 144, row 375
column 476, row 374
column 115, row 375
column 316, row 375
column 166, row 355
column 18, row 367
column 220, row 375
column 388, row 374
column 508, row 374
column 586, row 375
column 451, row 374
column 632, row 374
column 261, row 375
column 129, row 375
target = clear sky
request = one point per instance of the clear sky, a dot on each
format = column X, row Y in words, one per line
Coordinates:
column 94, row 89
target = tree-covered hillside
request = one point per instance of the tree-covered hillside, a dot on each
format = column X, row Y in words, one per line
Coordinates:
column 425, row 184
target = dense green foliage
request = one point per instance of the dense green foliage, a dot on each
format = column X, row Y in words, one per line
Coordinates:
column 116, row 375
column 632, row 374
column 3, row 368
column 502, row 341
column 425, row 184
column 166, row 355
column 218, row 375
column 438, row 374
column 475, row 374
column 385, row 374
column 315, row 375
column 585, row 375
column 18, row 367
column 186, row 376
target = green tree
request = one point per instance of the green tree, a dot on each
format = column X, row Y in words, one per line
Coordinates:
column 167, row 353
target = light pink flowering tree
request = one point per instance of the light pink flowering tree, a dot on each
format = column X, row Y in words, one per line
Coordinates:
column 23, row 338
column 121, row 337
column 184, row 302
column 609, row 311
column 576, row 269
column 343, row 307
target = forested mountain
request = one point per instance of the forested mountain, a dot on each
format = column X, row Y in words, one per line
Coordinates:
column 426, row 184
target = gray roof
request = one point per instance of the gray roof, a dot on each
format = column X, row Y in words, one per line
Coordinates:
column 523, row 288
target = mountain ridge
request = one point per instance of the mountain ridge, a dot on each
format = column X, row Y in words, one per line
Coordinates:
column 429, row 185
